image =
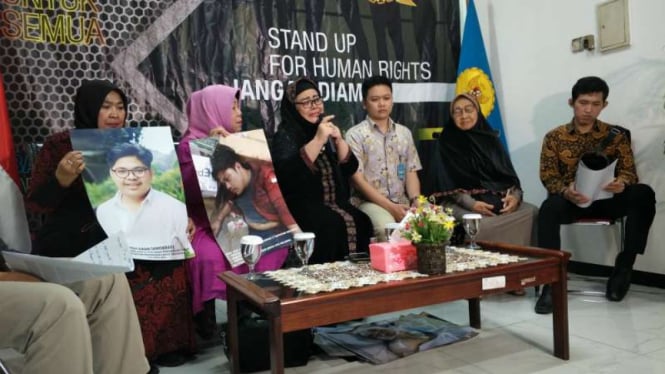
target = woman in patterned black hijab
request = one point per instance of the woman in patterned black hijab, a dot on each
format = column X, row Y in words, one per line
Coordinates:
column 313, row 165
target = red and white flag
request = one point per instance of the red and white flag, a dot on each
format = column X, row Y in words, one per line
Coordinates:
column 7, row 152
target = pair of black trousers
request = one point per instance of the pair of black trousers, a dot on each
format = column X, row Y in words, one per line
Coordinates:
column 637, row 203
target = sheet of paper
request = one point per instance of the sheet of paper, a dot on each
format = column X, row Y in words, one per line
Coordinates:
column 113, row 251
column 108, row 257
column 591, row 182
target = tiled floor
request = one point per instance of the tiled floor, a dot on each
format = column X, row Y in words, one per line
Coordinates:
column 626, row 337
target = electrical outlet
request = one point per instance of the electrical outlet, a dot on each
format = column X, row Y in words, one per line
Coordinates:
column 583, row 42
column 588, row 42
column 576, row 45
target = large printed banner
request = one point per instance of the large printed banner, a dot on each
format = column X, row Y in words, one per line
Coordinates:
column 159, row 51
column 133, row 181
column 240, row 192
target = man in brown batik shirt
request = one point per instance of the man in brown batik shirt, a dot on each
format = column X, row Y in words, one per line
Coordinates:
column 561, row 152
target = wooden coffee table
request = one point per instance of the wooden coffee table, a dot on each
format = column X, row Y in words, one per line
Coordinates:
column 288, row 310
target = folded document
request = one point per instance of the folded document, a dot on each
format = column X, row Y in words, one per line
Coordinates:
column 108, row 257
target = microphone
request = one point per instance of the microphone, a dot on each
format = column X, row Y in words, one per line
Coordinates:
column 331, row 143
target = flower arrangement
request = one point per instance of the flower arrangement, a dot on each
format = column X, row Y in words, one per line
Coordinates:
column 428, row 223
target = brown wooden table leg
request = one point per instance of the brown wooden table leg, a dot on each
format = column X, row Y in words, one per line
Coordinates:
column 560, row 317
column 232, row 321
column 276, row 345
column 474, row 312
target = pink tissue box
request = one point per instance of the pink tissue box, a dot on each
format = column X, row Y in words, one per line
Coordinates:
column 391, row 257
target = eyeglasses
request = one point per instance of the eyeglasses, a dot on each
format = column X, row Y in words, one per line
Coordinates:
column 469, row 109
column 310, row 103
column 124, row 173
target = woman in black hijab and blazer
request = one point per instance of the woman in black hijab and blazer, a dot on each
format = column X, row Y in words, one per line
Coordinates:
column 313, row 165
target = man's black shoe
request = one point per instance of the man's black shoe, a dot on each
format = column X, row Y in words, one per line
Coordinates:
column 618, row 284
column 544, row 303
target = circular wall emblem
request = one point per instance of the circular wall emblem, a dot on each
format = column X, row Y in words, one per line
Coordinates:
column 474, row 81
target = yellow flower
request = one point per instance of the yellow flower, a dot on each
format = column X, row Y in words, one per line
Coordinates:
column 428, row 223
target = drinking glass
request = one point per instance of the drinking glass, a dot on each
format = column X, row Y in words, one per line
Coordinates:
column 472, row 226
column 303, row 242
column 250, row 248
column 389, row 228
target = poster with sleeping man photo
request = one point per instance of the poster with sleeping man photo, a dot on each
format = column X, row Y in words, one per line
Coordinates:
column 132, row 178
column 240, row 192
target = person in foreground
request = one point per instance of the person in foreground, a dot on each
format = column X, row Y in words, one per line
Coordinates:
column 81, row 328
column 561, row 152
column 387, row 178
column 313, row 165
column 475, row 175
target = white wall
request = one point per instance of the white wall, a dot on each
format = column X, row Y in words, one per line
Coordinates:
column 528, row 44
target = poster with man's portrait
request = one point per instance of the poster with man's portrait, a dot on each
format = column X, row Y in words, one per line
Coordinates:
column 241, row 193
column 132, row 178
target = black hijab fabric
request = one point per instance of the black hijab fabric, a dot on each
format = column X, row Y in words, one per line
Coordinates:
column 295, row 131
column 474, row 160
column 317, row 203
column 293, row 125
column 89, row 99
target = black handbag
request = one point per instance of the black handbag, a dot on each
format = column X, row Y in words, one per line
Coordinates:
column 254, row 344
